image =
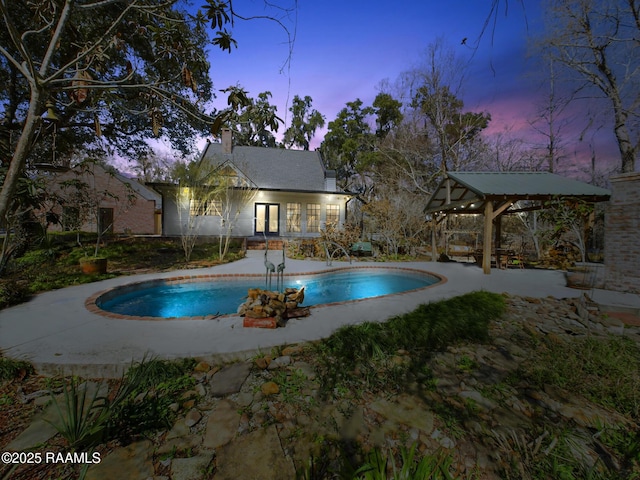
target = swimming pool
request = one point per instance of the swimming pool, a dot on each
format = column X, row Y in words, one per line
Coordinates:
column 204, row 296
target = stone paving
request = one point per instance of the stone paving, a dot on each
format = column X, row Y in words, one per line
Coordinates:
column 243, row 424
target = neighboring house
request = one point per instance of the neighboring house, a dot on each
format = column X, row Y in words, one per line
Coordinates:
column 294, row 197
column 123, row 204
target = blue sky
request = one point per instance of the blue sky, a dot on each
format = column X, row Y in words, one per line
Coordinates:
column 344, row 49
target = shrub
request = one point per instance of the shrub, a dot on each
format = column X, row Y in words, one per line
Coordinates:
column 12, row 293
column 11, row 369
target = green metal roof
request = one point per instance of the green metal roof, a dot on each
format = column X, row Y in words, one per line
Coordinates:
column 459, row 190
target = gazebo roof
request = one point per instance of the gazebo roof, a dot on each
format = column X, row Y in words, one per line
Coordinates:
column 467, row 192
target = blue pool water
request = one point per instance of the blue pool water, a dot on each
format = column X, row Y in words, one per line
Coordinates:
column 223, row 296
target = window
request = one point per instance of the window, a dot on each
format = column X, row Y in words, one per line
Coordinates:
column 205, row 207
column 293, row 217
column 313, row 217
column 333, row 214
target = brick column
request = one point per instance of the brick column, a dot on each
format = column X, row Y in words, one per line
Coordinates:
column 622, row 234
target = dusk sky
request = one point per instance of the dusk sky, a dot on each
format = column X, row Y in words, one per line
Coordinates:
column 343, row 50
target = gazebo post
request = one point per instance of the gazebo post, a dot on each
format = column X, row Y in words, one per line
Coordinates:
column 488, row 230
column 497, row 240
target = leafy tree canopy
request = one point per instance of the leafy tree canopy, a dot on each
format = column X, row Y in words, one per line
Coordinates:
column 109, row 74
column 304, row 123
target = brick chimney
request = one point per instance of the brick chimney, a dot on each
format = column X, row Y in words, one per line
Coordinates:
column 227, row 140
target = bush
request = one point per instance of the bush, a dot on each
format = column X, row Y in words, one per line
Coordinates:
column 12, row 293
column 11, row 369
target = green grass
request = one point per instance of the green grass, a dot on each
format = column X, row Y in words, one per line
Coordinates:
column 54, row 264
column 383, row 355
column 604, row 370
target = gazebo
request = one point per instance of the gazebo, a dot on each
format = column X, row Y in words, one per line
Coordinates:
column 494, row 194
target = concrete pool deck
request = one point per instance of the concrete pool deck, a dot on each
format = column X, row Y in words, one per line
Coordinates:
column 58, row 334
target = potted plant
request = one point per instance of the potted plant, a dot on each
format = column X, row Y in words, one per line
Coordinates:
column 580, row 276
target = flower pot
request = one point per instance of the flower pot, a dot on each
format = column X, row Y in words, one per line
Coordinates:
column 93, row 266
column 581, row 278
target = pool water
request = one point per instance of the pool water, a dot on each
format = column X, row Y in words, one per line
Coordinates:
column 223, row 296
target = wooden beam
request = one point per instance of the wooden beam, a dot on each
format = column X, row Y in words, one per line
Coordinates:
column 500, row 209
column 488, row 230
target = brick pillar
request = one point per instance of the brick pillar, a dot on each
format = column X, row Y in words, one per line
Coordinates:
column 622, row 234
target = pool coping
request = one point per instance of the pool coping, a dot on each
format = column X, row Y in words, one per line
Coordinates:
column 92, row 306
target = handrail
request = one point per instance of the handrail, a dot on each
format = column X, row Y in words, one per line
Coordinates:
column 330, row 257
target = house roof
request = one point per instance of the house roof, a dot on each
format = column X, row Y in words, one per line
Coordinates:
column 469, row 190
column 274, row 168
column 142, row 190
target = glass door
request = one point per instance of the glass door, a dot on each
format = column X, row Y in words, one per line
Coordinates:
column 267, row 219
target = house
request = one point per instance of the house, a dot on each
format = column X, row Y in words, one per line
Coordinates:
column 292, row 195
column 89, row 196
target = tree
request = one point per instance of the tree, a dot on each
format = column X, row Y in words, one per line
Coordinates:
column 597, row 41
column 348, row 137
column 110, row 71
column 255, row 122
column 570, row 219
column 196, row 196
column 388, row 114
column 433, row 90
column 234, row 194
column 304, row 123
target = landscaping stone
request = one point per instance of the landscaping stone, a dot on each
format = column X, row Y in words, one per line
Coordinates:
column 269, row 388
column 222, row 425
column 229, row 380
column 179, row 429
column 133, row 462
column 192, row 417
column 280, row 362
column 256, row 455
column 192, row 468
column 407, row 410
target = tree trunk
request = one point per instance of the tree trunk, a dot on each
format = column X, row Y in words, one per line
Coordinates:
column 19, row 158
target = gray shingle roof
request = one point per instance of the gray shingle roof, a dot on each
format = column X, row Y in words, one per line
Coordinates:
column 274, row 168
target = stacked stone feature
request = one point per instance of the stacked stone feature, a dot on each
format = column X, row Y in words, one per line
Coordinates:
column 269, row 309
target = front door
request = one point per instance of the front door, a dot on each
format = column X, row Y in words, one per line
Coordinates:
column 267, row 219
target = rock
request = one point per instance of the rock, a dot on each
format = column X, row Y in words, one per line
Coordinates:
column 292, row 350
column 190, row 468
column 263, row 362
column 192, row 417
column 280, row 362
column 306, row 369
column 134, row 461
column 256, row 455
column 222, row 425
column 179, row 445
column 179, row 429
column 229, row 380
column 406, row 410
column 244, row 399
column 202, row 367
column 269, row 388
